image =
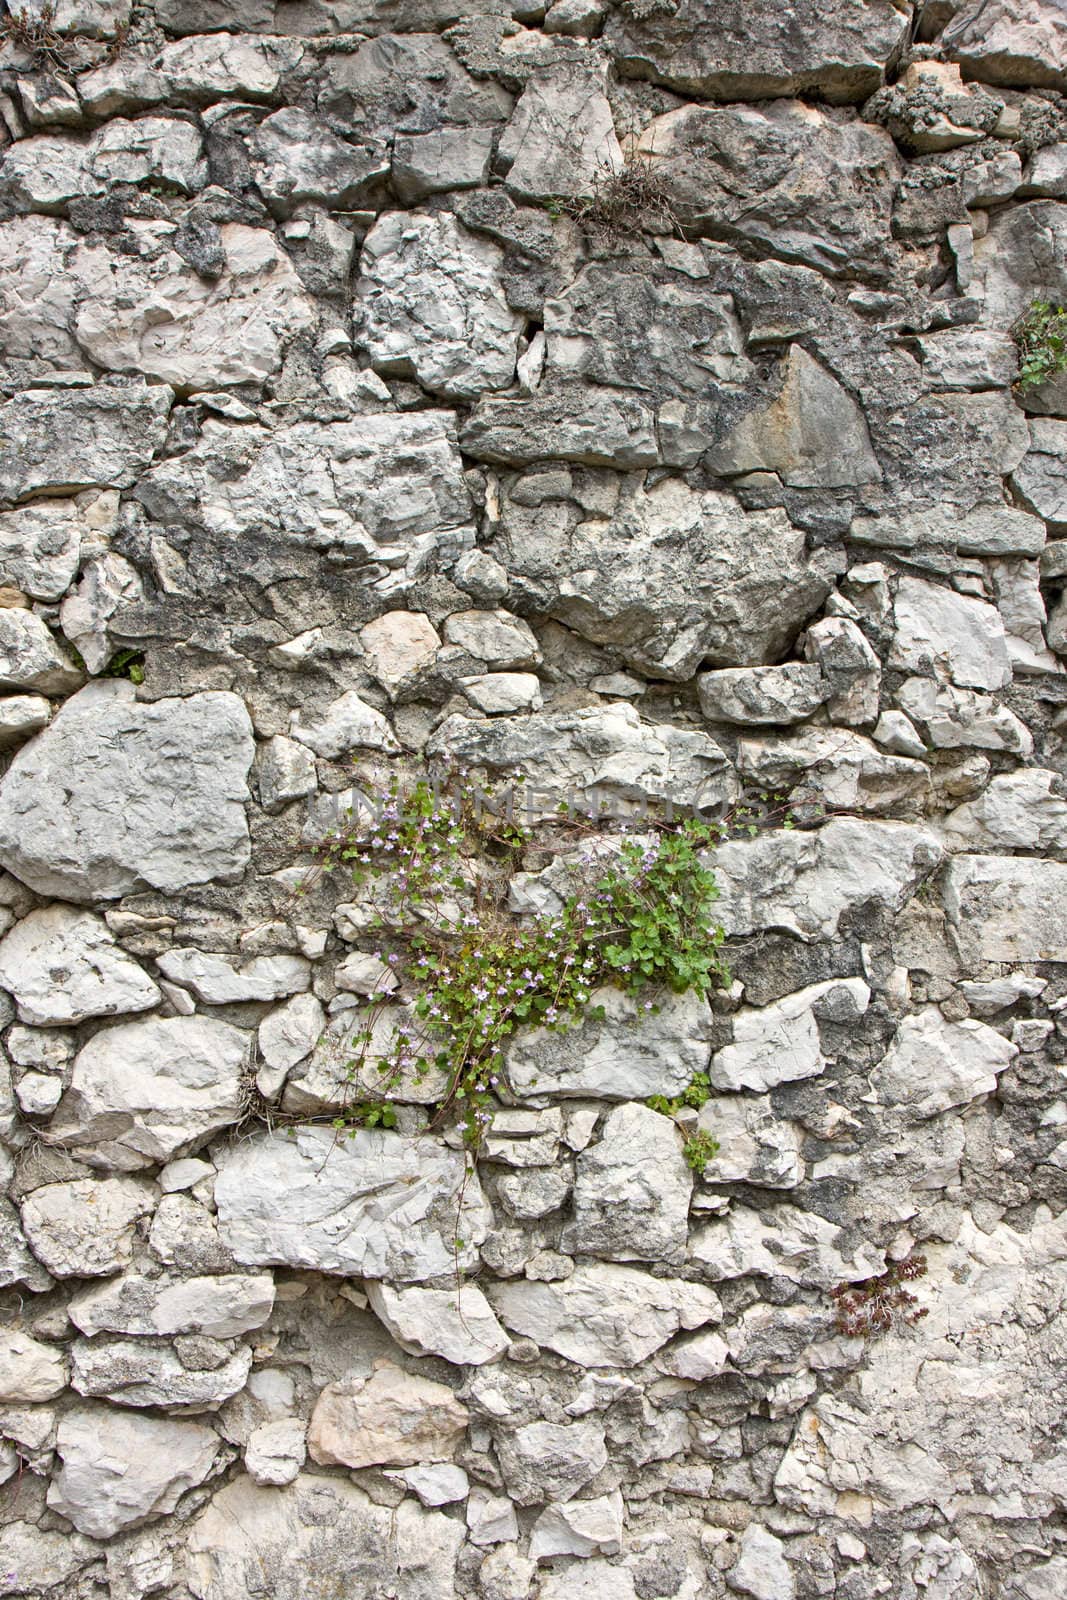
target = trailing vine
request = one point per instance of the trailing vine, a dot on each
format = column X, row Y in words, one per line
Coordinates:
column 435, row 865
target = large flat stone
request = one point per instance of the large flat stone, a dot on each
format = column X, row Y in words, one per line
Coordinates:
column 64, row 966
column 60, row 442
column 118, row 1470
column 1007, row 908
column 374, row 1204
column 116, row 796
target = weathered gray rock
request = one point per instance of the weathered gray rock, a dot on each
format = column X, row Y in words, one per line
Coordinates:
column 941, row 633
column 21, row 716
column 296, row 158
column 399, row 646
column 285, row 772
column 605, row 750
column 390, row 1418
column 676, row 577
column 48, row 171
column 1007, row 908
column 63, row 966
column 41, row 1558
column 85, row 1228
column 107, row 584
column 747, row 695
column 502, row 641
column 346, row 724
column 954, row 717
column 804, row 883
column 755, row 1145
column 850, row 668
column 32, row 658
column 1041, row 476
column 386, row 488
column 561, row 138
column 756, row 53
column 779, row 1043
column 550, row 1460
column 228, row 65
column 785, row 177
column 835, row 768
column 1008, row 42
column 604, row 1316
column 813, row 434
column 761, row 1569
column 933, row 1065
column 432, row 306
column 276, row 1451
column 221, row 1307
column 579, row 1528
column 179, row 766
column 631, row 1191
column 149, row 1372
column 119, row 1471
column 40, row 543
column 630, row 1055
column 375, row 1204
column 319, row 1526
column 145, row 1091
column 782, row 1242
column 600, row 427
column 447, row 158
column 1022, row 258
column 457, row 1325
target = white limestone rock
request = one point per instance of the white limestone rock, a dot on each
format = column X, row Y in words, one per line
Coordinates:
column 985, row 529
column 216, row 66
column 85, row 1228
column 117, row 796
column 761, row 1569
column 391, row 1418
column 119, row 1471
column 285, row 771
column 457, row 1325
column 143, row 1092
column 631, row 1191
column 276, row 1451
column 1018, row 811
column 431, row 305
column 1006, row 908
column 286, row 1036
column 774, row 695
column 630, row 1055
column 149, row 1372
column 782, row 1242
column 376, row 1205
column 491, row 1518
column 296, row 158
column 348, row 723
column 955, row 718
column 579, row 1528
column 589, row 1580
column 63, row 965
column 944, row 634
column 221, row 1307
column 604, row 1316
column 561, row 138
column 779, row 1043
column 803, row 883
column 1041, row 476
column 1012, row 42
column 319, row 1530
column 399, row 645
column 505, row 643
column 933, row 1065
column 32, row 658
column 603, row 750
column 29, row 1370
column 755, row 1146
column 443, row 159
column 40, row 1559
column 503, row 693
column 46, row 172
column 40, row 543
column 850, row 668
column 217, row 982
column 835, row 768
column 21, row 716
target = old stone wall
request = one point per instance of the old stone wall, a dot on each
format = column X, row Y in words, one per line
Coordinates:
column 623, row 393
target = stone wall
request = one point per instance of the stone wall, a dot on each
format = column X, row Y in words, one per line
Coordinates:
column 623, row 392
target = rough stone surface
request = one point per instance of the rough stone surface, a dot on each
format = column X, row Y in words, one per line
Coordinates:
column 179, row 767
column 389, row 1419
column 63, row 966
column 118, row 1471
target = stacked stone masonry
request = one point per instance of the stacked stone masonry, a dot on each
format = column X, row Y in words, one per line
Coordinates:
column 334, row 393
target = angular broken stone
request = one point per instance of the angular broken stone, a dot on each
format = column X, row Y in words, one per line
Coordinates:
column 835, row 768
column 143, row 1092
column 119, row 1470
column 604, row 1316
column 276, row 1451
column 179, row 766
column 1007, row 908
column 755, row 1145
column 296, row 158
column 149, row 1372
column 85, row 1228
column 603, row 751
column 747, row 695
column 457, row 1325
column 32, row 658
column 561, row 139
column 1013, row 42
column 629, row 1055
column 29, row 1370
column 579, row 1528
column 550, row 1460
column 779, row 1043
column 221, row 1307
column 217, row 982
column 783, row 1242
column 1018, row 811
column 374, row 1204
column 933, row 1065
column 62, row 966
column 631, row 1191
column 399, row 645
column 804, row 883
column 750, row 53
column 430, row 303
column 389, row 1419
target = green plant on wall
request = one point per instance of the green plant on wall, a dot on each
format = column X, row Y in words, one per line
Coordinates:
column 436, row 863
column 1041, row 335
